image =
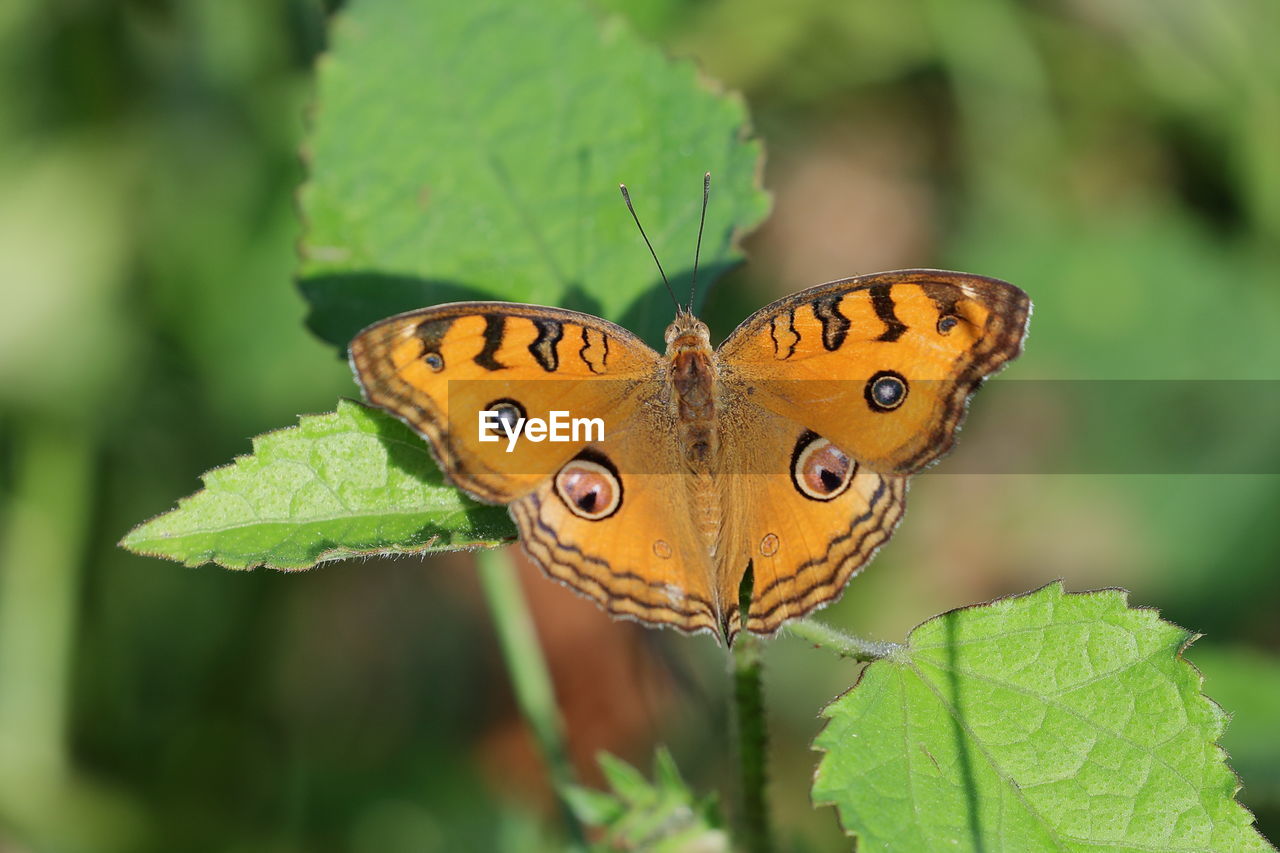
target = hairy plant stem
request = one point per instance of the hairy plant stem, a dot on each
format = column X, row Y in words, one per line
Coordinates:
column 529, row 677
column 753, row 741
column 844, row 645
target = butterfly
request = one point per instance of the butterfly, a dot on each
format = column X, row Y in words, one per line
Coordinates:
column 765, row 471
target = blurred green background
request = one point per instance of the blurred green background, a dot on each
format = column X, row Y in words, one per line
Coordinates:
column 1118, row 159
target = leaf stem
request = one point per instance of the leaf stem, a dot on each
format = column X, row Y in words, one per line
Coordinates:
column 46, row 524
column 844, row 645
column 529, row 676
column 753, row 741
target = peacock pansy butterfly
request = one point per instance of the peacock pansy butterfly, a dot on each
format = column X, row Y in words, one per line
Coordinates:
column 781, row 456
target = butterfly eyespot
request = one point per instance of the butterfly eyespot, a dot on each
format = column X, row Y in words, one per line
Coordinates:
column 769, row 545
column 819, row 470
column 509, row 412
column 946, row 323
column 661, row 549
column 434, row 360
column 590, row 488
column 885, row 391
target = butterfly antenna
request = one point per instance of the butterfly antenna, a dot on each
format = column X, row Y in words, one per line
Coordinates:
column 706, row 191
column 627, row 198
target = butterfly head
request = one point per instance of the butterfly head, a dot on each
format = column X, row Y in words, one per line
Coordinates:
column 687, row 333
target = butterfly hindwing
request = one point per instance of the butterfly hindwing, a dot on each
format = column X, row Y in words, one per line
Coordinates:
column 635, row 546
column 801, row 514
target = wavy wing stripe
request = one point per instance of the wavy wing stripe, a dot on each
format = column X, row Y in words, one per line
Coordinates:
column 850, row 565
column 882, row 303
column 567, row 564
column 874, row 505
column 594, row 354
column 787, row 337
column 545, row 348
column 495, row 335
column 610, row 572
column 409, row 409
column 1001, row 342
column 835, row 326
column 845, row 554
column 387, row 390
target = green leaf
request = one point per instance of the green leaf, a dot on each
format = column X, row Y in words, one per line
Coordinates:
column 474, row 150
column 662, row 817
column 626, row 781
column 593, row 808
column 353, row 482
column 1041, row 722
column 1247, row 682
column 458, row 151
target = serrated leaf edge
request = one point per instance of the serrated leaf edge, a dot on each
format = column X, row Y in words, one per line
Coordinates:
column 903, row 652
column 328, row 556
column 342, row 20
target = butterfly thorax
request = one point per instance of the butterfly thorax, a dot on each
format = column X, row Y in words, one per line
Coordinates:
column 692, row 373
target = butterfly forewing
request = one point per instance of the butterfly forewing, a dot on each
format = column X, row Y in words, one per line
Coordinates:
column 883, row 365
column 438, row 369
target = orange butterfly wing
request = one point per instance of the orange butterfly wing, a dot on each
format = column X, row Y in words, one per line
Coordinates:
column 647, row 560
column 869, row 376
column 927, row 337
column 801, row 547
column 437, row 369
column 880, row 368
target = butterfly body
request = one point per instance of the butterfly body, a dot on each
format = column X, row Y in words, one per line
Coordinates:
column 693, row 381
column 783, row 455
